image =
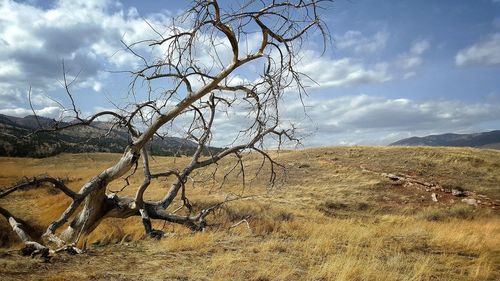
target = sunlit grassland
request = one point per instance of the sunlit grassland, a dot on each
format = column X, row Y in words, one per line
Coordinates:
column 324, row 219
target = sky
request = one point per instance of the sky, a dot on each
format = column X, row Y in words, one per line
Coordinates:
column 393, row 69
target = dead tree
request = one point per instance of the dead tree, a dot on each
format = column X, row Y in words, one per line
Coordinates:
column 190, row 73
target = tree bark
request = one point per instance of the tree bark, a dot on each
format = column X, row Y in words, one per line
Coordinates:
column 88, row 218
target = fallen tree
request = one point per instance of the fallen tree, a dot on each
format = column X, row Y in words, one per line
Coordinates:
column 202, row 54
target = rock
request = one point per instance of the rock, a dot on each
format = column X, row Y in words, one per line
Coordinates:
column 457, row 192
column 301, row 166
column 470, row 201
column 434, row 197
column 391, row 176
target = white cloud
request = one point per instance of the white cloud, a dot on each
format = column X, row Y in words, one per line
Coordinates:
column 85, row 34
column 51, row 112
column 356, row 41
column 409, row 62
column 350, row 71
column 38, row 98
column 10, row 67
column 420, row 47
column 327, row 72
column 409, row 75
column 486, row 52
column 412, row 59
column 10, row 96
column 97, row 86
column 364, row 119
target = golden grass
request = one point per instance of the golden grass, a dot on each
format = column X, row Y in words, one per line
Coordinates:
column 328, row 221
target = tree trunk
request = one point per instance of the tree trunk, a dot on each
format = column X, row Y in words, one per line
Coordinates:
column 95, row 207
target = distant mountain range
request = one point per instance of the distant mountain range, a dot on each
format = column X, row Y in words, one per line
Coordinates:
column 480, row 140
column 95, row 138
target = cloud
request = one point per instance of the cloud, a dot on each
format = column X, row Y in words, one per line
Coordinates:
column 356, row 41
column 84, row 34
column 413, row 57
column 352, row 71
column 9, row 95
column 345, row 72
column 419, row 47
column 51, row 111
column 486, row 52
column 364, row 119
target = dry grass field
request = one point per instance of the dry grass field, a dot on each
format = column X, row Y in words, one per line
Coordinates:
column 331, row 216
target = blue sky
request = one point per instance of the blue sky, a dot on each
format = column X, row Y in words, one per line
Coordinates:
column 394, row 69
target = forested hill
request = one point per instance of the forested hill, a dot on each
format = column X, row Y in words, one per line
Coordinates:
column 481, row 140
column 14, row 139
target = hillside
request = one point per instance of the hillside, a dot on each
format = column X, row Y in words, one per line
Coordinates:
column 335, row 214
column 16, row 140
column 482, row 140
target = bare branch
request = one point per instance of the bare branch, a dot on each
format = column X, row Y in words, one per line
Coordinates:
column 38, row 182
